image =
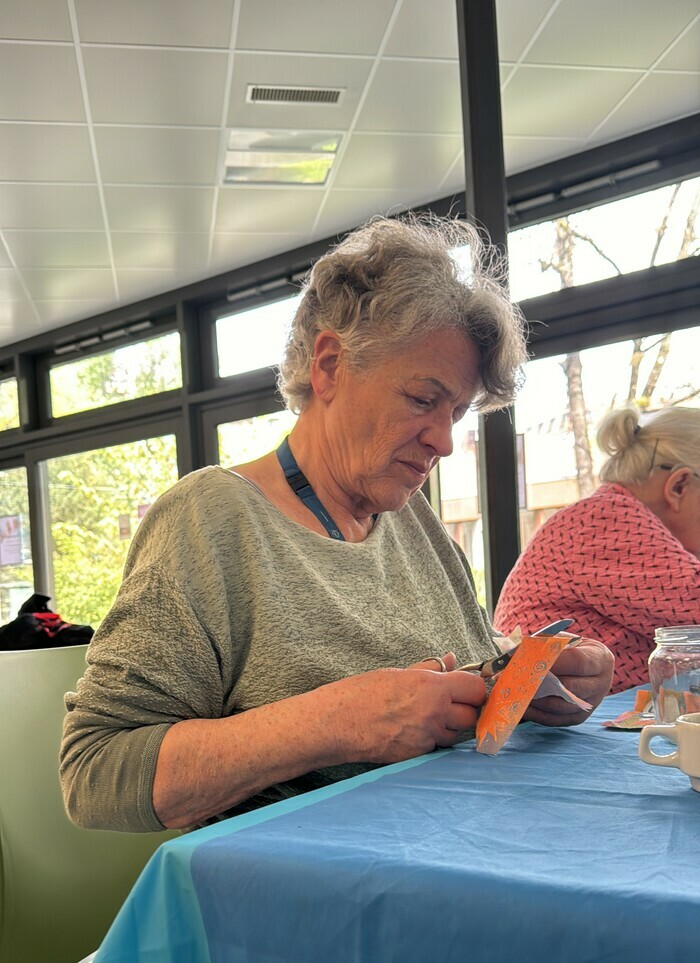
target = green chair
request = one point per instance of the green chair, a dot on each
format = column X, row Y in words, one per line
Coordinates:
column 60, row 886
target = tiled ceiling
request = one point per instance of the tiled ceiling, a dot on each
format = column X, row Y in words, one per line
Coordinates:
column 114, row 117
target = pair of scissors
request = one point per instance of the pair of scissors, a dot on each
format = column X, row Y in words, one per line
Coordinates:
column 490, row 667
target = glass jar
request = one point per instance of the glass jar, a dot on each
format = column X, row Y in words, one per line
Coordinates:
column 674, row 671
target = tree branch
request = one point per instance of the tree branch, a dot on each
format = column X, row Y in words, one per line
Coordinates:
column 589, row 240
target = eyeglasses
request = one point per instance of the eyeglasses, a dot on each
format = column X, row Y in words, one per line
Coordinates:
column 675, row 467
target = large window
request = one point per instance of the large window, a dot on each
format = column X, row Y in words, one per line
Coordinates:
column 96, row 502
column 133, row 371
column 250, row 438
column 565, row 397
column 626, row 235
column 9, row 404
column 255, row 338
column 16, row 576
column 459, row 497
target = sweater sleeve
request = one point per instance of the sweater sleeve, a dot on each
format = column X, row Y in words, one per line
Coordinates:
column 162, row 655
column 150, row 665
column 628, row 566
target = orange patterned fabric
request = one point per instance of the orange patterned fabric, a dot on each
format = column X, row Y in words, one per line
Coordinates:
column 611, row 565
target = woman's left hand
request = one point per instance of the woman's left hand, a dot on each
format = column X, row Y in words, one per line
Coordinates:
column 586, row 670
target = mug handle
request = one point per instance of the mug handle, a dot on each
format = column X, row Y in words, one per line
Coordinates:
column 646, row 754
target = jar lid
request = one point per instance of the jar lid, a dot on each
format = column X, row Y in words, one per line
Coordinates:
column 677, row 634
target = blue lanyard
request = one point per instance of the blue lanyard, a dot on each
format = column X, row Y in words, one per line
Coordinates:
column 299, row 484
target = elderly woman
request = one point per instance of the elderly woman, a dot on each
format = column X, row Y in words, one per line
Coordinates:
column 626, row 559
column 297, row 619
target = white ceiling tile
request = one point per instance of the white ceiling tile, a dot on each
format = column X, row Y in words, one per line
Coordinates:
column 45, row 152
column 424, row 30
column 65, row 312
column 17, row 320
column 154, row 208
column 4, row 259
column 659, row 98
column 172, row 251
column 626, row 33
column 231, row 251
column 307, row 25
column 155, row 86
column 413, row 96
column 560, row 102
column 39, row 82
column 522, row 153
column 10, row 286
column 167, row 23
column 504, row 72
column 48, row 249
column 70, row 207
column 38, row 20
column 684, row 55
column 61, row 284
column 454, row 180
column 516, row 23
column 345, row 209
column 268, row 210
column 143, row 155
column 349, row 74
column 397, row 162
column 134, row 285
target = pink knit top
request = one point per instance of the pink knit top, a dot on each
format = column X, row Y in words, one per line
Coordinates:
column 611, row 565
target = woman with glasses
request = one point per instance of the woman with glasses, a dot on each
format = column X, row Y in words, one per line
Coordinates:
column 626, row 559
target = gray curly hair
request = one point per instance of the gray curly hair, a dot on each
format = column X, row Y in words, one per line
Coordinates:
column 390, row 284
column 636, row 442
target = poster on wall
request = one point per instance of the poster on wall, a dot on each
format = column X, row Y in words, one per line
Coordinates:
column 11, row 540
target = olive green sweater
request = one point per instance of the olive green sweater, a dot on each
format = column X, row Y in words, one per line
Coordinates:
column 227, row 604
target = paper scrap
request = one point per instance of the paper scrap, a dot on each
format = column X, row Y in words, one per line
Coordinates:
column 514, row 689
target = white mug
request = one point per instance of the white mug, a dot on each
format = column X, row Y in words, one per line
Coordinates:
column 685, row 732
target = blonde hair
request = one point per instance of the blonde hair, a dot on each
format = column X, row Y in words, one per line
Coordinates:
column 392, row 283
column 636, row 443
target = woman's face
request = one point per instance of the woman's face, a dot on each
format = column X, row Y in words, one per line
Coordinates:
column 391, row 424
column 687, row 521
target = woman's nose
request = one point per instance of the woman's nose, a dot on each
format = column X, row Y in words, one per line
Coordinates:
column 438, row 435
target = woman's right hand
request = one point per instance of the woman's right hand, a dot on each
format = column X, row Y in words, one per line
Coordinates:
column 389, row 715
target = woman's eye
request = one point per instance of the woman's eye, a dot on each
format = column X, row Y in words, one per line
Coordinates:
column 422, row 402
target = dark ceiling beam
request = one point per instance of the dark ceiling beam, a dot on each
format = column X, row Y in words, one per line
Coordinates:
column 652, row 158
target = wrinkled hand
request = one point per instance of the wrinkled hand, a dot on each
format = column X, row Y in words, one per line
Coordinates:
column 394, row 714
column 586, row 670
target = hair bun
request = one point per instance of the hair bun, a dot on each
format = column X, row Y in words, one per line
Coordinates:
column 618, row 430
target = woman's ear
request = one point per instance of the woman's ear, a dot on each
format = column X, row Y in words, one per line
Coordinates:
column 675, row 487
column 325, row 365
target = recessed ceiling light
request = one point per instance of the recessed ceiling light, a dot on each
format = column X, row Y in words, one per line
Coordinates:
column 279, row 156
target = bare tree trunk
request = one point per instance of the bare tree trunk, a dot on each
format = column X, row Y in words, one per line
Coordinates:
column 564, row 264
column 579, row 423
column 689, row 235
column 659, row 362
column 635, row 362
column 664, row 345
column 661, row 229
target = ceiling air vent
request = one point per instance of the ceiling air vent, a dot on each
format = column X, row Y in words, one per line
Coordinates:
column 259, row 94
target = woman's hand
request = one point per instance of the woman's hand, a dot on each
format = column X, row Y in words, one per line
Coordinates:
column 586, row 670
column 394, row 714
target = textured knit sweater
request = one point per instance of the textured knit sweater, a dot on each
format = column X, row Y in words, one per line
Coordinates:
column 611, row 565
column 227, row 605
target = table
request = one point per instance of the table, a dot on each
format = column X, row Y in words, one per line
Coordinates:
column 564, row 847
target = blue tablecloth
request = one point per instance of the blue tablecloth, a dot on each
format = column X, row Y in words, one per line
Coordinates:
column 564, row 847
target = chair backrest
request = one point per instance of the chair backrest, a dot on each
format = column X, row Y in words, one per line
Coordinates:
column 60, row 886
